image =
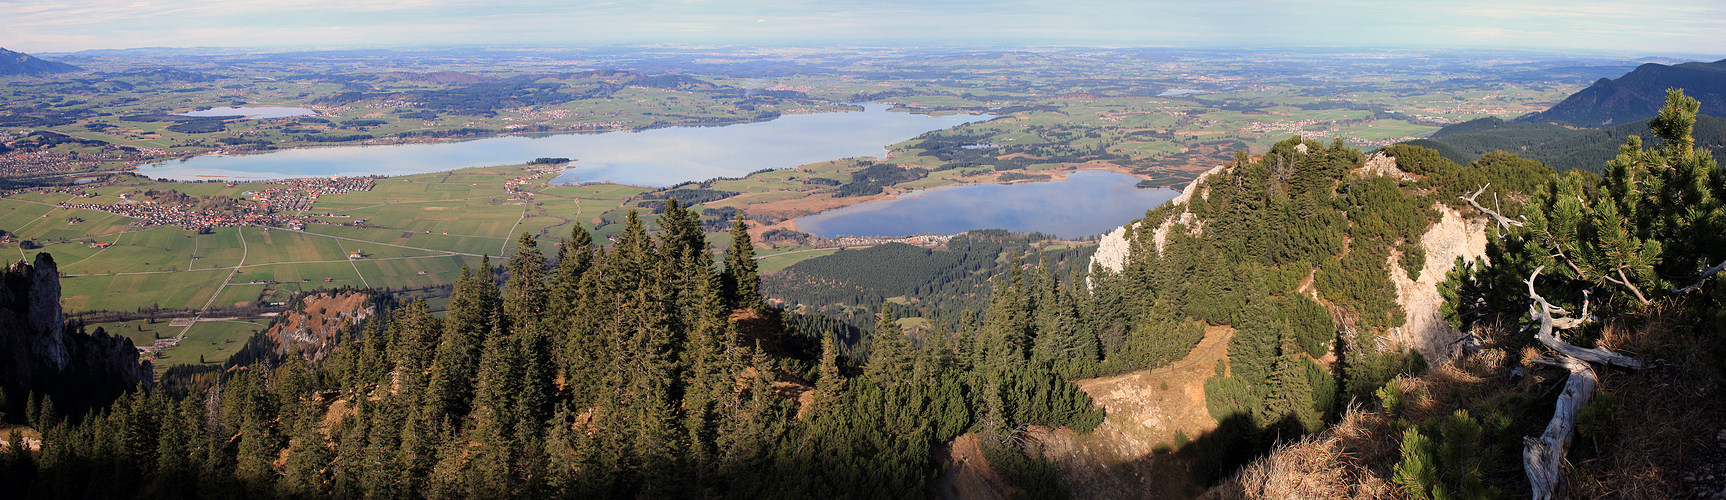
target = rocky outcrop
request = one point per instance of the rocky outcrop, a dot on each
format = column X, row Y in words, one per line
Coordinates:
column 40, row 355
column 1427, row 331
column 1113, row 248
column 309, row 330
column 1381, row 165
column 30, row 313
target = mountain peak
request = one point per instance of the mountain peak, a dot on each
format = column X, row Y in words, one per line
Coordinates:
column 21, row 64
column 1638, row 94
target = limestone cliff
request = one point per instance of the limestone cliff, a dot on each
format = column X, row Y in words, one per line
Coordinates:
column 39, row 354
column 1113, row 248
column 1426, row 331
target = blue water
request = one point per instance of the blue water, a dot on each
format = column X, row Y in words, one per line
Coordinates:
column 656, row 157
column 1089, row 202
column 254, row 112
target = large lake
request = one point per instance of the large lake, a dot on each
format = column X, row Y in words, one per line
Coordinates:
column 656, row 157
column 1089, row 202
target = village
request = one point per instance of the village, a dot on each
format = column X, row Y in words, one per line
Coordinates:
column 272, row 207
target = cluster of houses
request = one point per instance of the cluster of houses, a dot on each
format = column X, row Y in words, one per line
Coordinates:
column 47, row 162
column 150, row 213
column 513, row 186
column 274, row 207
column 299, row 194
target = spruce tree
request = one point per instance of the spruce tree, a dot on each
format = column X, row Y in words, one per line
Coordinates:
column 525, row 294
column 741, row 283
column 890, row 352
column 472, row 312
column 574, row 258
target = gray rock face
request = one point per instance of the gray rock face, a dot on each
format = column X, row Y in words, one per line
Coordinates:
column 38, row 354
column 46, row 319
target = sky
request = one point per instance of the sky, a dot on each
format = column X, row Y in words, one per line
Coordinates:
column 1645, row 27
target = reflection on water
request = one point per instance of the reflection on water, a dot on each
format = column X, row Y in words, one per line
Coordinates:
column 1087, row 203
column 657, row 157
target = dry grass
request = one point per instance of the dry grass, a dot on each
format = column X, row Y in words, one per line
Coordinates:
column 1666, row 418
column 1657, row 440
column 1149, row 412
column 1342, row 462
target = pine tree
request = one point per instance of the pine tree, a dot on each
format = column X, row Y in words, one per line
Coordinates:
column 574, row 258
column 1007, row 329
column 830, row 381
column 307, row 456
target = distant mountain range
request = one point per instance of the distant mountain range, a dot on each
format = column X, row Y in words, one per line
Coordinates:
column 1639, row 94
column 21, row 64
column 1558, row 146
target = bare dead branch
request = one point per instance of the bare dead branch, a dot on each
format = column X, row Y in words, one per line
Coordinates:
column 1544, row 311
column 1502, row 220
column 1543, row 457
column 1698, row 284
column 1625, row 282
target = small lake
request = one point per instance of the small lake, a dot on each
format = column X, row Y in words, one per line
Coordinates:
column 253, row 113
column 1089, row 202
column 654, row 157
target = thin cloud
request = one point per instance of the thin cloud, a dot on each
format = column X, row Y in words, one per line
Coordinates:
column 1656, row 26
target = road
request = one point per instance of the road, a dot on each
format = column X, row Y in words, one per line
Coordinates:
column 245, row 250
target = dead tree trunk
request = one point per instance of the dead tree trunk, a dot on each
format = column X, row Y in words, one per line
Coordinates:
column 1542, row 458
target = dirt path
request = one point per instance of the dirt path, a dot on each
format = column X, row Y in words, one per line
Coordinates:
column 1206, row 354
column 1150, row 413
column 355, row 265
column 501, row 250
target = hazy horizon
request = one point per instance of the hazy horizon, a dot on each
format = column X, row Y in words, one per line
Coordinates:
column 1661, row 28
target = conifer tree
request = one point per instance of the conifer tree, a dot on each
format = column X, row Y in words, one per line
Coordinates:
column 307, row 456
column 741, row 282
column 574, row 258
column 890, row 356
column 473, row 311
column 829, row 382
column 525, row 294
column 1007, row 325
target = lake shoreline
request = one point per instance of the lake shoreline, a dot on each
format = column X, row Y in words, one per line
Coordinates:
column 889, row 199
column 661, row 156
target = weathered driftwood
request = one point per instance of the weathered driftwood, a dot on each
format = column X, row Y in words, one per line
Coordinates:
column 1705, row 274
column 1543, row 457
column 1503, row 221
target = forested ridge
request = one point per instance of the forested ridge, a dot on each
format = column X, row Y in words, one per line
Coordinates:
column 634, row 370
column 1558, row 146
column 943, row 281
